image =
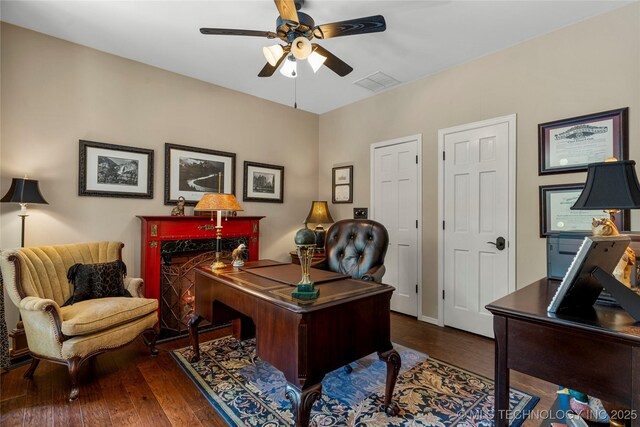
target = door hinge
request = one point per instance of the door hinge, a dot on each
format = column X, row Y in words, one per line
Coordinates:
column 443, row 294
column 443, row 225
column 416, row 288
column 416, row 223
column 443, row 156
column 416, row 159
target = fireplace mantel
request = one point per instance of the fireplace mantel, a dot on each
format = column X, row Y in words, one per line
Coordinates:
column 156, row 229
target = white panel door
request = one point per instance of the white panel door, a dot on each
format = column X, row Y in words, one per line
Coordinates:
column 476, row 215
column 395, row 205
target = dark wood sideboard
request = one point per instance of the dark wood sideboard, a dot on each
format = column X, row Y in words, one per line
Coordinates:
column 595, row 350
column 156, row 229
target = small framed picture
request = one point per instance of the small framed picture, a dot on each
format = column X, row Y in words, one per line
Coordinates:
column 191, row 172
column 263, row 183
column 109, row 170
column 557, row 217
column 569, row 145
column 342, row 183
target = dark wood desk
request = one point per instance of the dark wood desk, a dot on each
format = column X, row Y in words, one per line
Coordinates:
column 303, row 339
column 596, row 351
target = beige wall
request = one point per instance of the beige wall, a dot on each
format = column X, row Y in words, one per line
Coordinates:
column 55, row 93
column 585, row 68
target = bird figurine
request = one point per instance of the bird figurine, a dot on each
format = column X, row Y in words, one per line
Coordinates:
column 238, row 255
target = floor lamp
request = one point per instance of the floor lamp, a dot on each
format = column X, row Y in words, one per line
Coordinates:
column 22, row 191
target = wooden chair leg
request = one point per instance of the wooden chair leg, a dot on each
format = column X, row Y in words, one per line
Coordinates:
column 150, row 336
column 74, row 367
column 32, row 368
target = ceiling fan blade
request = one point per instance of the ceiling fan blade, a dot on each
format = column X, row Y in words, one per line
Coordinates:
column 232, row 32
column 268, row 69
column 370, row 24
column 287, row 10
column 334, row 63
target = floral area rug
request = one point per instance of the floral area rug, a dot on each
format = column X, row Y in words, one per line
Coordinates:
column 248, row 391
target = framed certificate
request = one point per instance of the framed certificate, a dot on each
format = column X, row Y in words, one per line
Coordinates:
column 557, row 217
column 569, row 145
column 342, row 180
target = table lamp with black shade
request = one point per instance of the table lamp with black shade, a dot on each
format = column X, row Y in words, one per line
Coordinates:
column 612, row 186
column 319, row 214
column 24, row 191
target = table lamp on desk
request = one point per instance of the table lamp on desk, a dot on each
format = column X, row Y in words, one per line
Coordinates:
column 613, row 186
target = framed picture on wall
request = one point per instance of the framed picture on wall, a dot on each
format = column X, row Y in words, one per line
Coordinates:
column 342, row 184
column 191, row 172
column 263, row 183
column 569, row 145
column 557, row 217
column 109, row 170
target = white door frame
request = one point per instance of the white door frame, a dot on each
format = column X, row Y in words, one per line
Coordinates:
column 511, row 121
column 372, row 148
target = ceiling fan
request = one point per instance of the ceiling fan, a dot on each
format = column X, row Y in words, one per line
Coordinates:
column 297, row 29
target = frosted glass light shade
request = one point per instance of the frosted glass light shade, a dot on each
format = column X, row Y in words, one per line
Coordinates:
column 289, row 69
column 301, row 48
column 272, row 54
column 316, row 61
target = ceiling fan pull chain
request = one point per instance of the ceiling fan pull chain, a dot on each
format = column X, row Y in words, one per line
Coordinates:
column 295, row 93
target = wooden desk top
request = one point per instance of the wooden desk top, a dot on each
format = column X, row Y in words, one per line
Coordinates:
column 531, row 303
column 272, row 281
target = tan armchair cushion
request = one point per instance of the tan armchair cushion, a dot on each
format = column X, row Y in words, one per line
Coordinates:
column 87, row 317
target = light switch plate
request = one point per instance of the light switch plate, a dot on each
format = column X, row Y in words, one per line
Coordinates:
column 360, row 213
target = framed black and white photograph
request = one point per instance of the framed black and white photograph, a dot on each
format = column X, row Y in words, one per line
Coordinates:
column 342, row 184
column 569, row 145
column 263, row 183
column 557, row 217
column 109, row 170
column 191, row 172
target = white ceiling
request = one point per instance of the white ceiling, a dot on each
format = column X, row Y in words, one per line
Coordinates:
column 422, row 37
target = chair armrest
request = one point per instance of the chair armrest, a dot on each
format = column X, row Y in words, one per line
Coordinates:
column 134, row 286
column 374, row 274
column 38, row 313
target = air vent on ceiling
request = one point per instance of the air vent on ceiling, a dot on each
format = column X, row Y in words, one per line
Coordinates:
column 376, row 82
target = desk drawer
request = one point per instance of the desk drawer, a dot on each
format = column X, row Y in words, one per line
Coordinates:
column 571, row 357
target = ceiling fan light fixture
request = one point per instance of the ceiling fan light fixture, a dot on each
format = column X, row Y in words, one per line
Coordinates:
column 273, row 53
column 301, row 48
column 290, row 68
column 316, row 61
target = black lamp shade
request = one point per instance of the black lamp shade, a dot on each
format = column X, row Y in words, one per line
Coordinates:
column 610, row 185
column 24, row 190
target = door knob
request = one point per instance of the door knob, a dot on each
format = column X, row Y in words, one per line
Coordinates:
column 500, row 243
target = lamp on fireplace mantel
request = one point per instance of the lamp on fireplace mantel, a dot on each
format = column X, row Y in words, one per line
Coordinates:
column 218, row 202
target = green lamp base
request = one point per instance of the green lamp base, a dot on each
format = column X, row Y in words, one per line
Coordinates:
column 305, row 291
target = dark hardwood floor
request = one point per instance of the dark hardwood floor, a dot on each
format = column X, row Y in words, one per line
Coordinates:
column 128, row 387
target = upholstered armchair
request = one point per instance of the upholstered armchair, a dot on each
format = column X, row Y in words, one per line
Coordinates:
column 36, row 282
column 356, row 247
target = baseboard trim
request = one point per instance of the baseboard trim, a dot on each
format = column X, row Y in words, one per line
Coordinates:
column 428, row 319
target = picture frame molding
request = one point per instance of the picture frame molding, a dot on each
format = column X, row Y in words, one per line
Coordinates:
column 245, row 186
column 622, row 219
column 620, row 144
column 168, row 147
column 335, row 185
column 83, row 190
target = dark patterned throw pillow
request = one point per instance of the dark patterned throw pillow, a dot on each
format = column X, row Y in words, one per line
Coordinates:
column 97, row 281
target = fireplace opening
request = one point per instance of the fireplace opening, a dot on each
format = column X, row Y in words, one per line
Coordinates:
column 180, row 258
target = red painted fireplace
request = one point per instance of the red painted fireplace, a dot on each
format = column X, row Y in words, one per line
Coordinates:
column 158, row 229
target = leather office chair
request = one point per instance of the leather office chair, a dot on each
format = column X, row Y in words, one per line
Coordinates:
column 356, row 247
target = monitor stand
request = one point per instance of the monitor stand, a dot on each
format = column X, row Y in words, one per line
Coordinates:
column 628, row 299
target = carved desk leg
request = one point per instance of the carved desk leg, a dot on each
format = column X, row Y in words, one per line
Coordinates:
column 302, row 401
column 392, row 358
column 193, row 322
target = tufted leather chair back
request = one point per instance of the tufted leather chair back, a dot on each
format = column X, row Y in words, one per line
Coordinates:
column 355, row 246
